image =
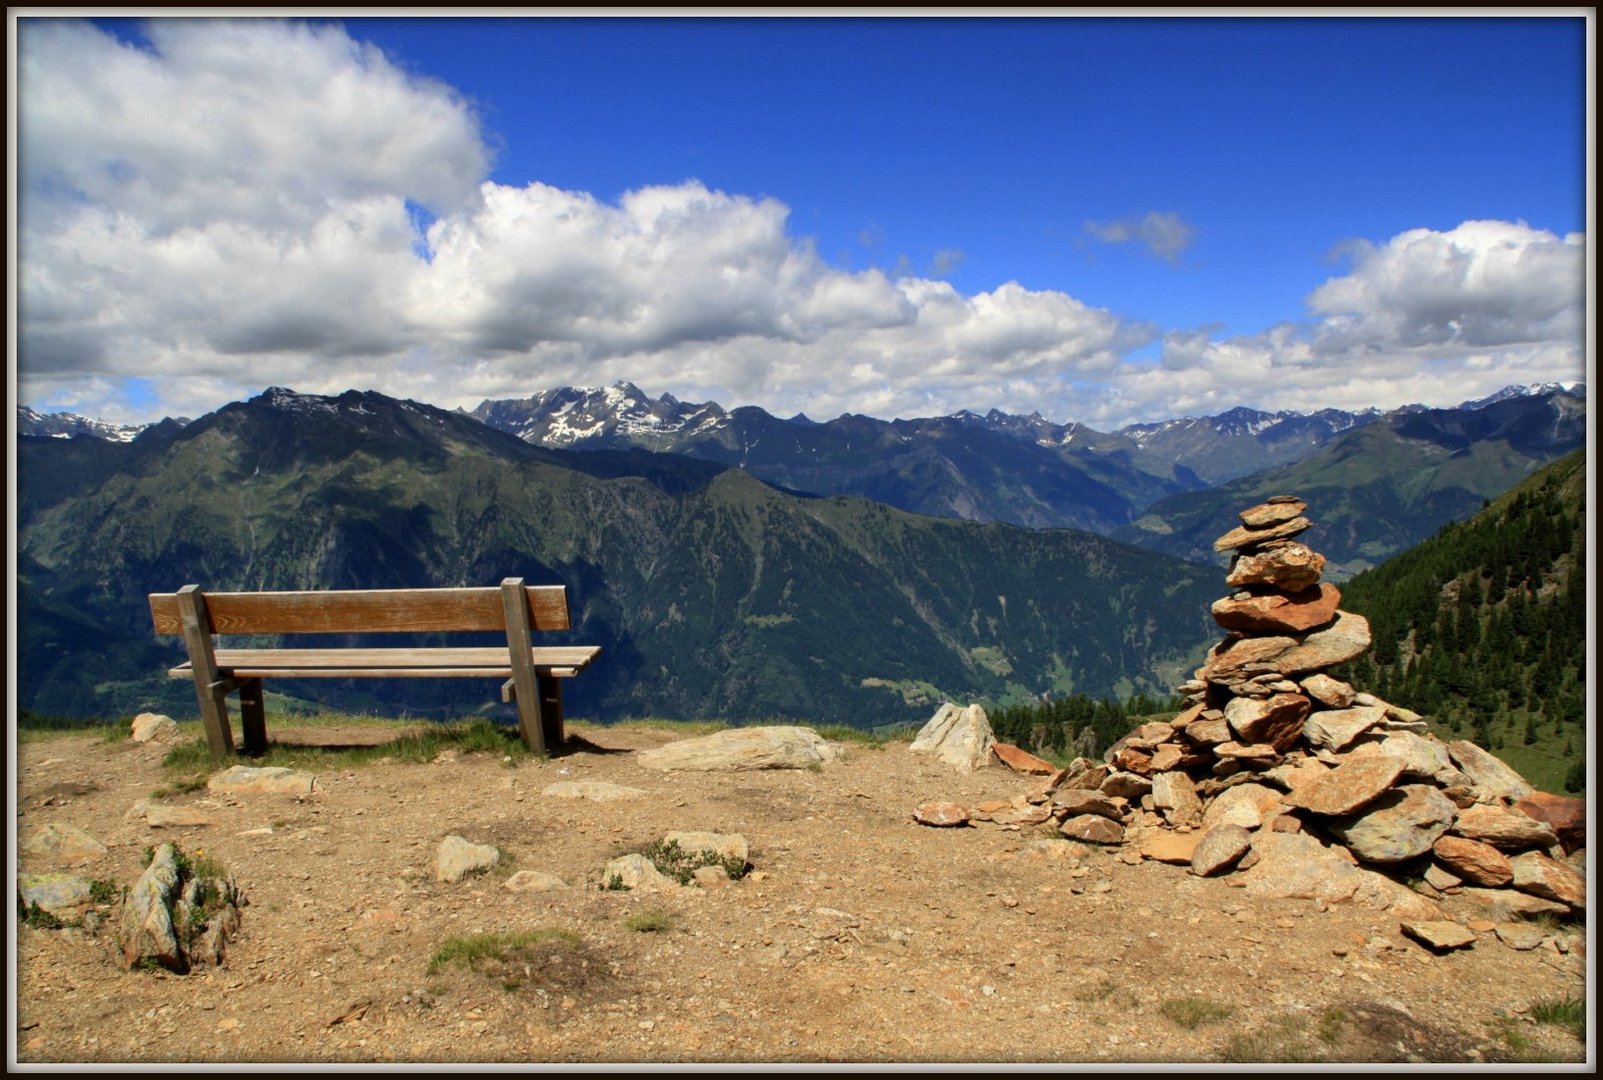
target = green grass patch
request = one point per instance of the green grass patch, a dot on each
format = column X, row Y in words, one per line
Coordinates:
column 414, row 747
column 1564, row 1012
column 649, row 922
column 476, row 950
column 1193, row 1011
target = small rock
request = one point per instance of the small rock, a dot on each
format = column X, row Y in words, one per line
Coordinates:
column 1093, row 829
column 1176, row 796
column 154, row 727
column 1440, row 935
column 1488, row 772
column 275, row 780
column 1329, row 692
column 1521, row 936
column 1539, row 875
column 1290, row 566
column 1164, row 846
column 1503, row 828
column 729, row 846
column 1245, row 536
column 1277, row 720
column 1337, row 728
column 457, row 857
column 1220, row 848
column 1022, row 761
column 941, row 815
column 638, row 873
column 65, row 845
column 776, row 747
column 1566, row 815
column 1347, row 787
column 1474, row 862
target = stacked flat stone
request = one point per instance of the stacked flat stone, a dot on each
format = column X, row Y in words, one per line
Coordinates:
column 1275, row 762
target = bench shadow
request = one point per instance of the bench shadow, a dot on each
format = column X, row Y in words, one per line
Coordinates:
column 578, row 744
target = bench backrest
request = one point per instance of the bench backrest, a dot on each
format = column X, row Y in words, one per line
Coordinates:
column 363, row 610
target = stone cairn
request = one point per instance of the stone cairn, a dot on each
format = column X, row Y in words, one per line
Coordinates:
column 1297, row 784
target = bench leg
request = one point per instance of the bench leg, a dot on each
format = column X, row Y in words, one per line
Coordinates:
column 253, row 717
column 551, row 711
column 214, row 714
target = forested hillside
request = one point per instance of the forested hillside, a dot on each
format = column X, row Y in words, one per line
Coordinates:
column 1483, row 626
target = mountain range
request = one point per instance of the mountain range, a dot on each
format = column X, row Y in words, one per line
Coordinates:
column 712, row 593
column 1381, row 481
column 731, row 564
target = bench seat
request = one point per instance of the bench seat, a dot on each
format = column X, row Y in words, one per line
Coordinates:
column 466, row 662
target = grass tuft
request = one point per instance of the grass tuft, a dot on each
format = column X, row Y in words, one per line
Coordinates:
column 1193, row 1011
column 1564, row 1012
column 477, row 949
column 649, row 922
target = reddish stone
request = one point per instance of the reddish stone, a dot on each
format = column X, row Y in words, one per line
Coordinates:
column 1475, row 862
column 1281, row 508
column 1288, row 566
column 1164, row 846
column 1347, row 787
column 1567, row 816
column 1022, row 760
column 1132, row 760
column 1248, row 537
column 1275, row 720
column 1548, row 878
column 940, row 814
column 1094, row 829
column 1279, row 613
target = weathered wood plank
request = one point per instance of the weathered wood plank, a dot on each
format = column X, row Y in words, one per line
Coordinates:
column 523, row 677
column 354, row 611
column 460, row 662
column 210, row 691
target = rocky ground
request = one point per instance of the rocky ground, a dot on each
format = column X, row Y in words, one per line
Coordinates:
column 859, row 936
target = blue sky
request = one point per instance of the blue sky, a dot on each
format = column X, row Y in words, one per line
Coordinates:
column 1106, row 219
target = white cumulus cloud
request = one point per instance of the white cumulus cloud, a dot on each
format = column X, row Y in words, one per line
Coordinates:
column 236, row 204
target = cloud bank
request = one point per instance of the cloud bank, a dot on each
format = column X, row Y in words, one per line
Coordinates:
column 249, row 202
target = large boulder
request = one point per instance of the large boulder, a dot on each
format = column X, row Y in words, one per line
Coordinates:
column 960, row 736
column 1401, row 824
column 1566, row 815
column 1490, row 775
column 778, row 747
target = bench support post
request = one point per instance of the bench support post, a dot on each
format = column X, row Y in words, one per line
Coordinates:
column 253, row 716
column 211, row 690
column 550, row 690
column 526, row 690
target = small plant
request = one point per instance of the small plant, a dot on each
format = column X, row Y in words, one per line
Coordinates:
column 649, row 922
column 1193, row 1011
column 37, row 917
column 1565, row 1012
column 682, row 865
column 1332, row 1023
column 614, row 884
column 103, row 892
column 478, row 949
column 180, row 787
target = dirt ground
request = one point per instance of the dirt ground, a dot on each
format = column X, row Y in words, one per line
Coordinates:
column 859, row 937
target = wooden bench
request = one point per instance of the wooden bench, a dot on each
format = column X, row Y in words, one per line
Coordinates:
column 531, row 674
